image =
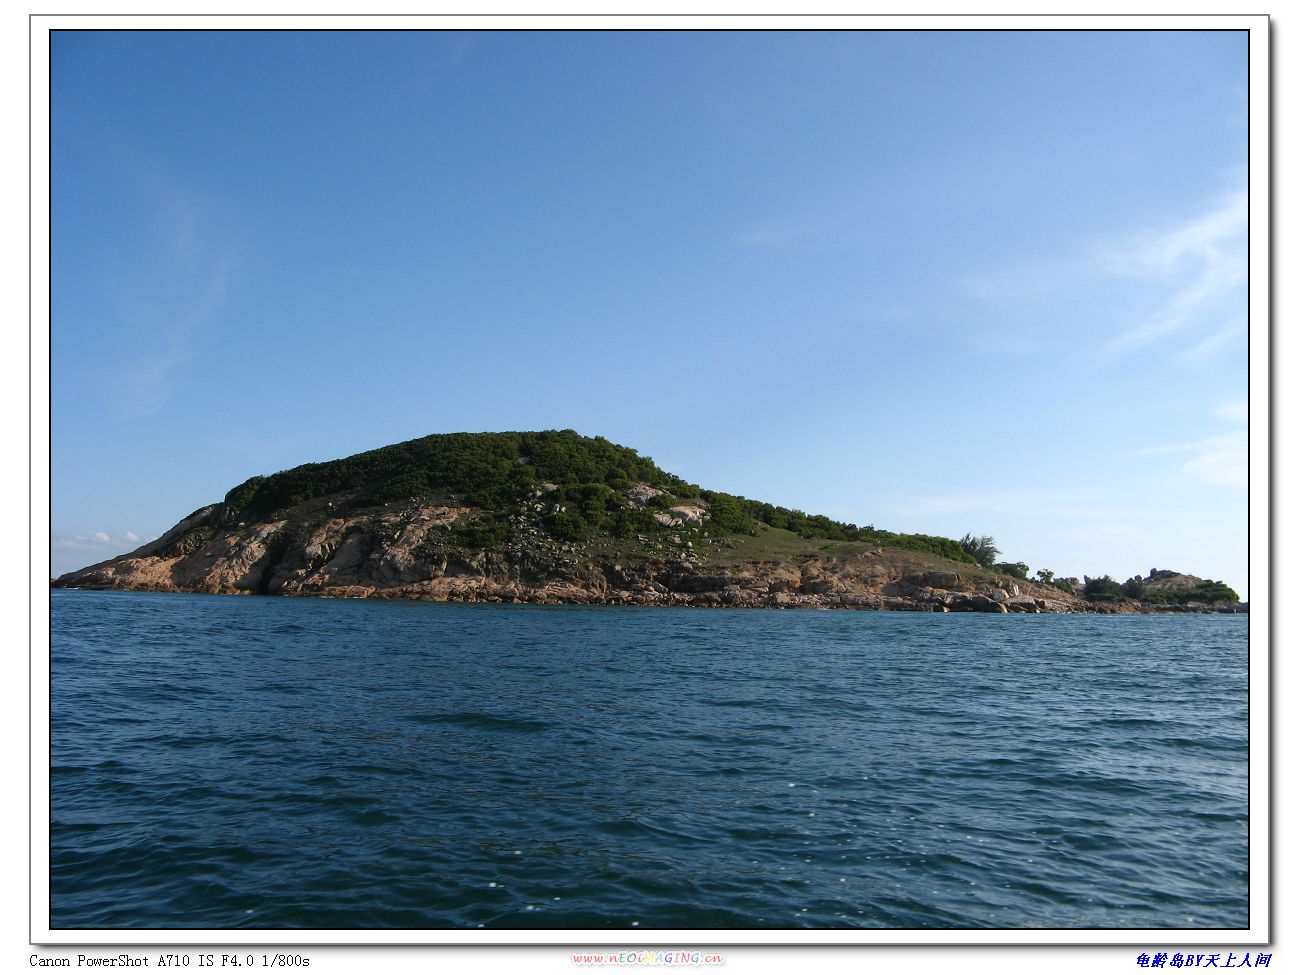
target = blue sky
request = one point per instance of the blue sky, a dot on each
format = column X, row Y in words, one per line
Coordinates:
column 932, row 281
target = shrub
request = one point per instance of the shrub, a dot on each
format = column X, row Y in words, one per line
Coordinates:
column 568, row 525
column 1205, row 592
column 481, row 532
column 728, row 513
column 1134, row 588
column 1018, row 570
column 1104, row 589
column 403, row 486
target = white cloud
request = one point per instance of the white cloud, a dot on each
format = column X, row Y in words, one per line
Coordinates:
column 1207, row 347
column 1202, row 239
column 1195, row 266
column 1218, row 460
column 1180, row 283
column 97, row 541
column 75, row 542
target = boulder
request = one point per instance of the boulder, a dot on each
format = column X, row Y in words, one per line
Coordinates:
column 942, row 580
column 639, row 494
column 690, row 514
column 816, row 585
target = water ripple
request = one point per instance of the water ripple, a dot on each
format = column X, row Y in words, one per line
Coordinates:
column 264, row 763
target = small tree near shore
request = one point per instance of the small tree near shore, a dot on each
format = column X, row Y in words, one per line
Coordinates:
column 980, row 548
column 1104, row 588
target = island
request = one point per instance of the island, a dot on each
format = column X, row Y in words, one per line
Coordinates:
column 556, row 517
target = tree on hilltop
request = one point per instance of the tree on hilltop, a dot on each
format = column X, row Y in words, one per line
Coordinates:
column 980, row 548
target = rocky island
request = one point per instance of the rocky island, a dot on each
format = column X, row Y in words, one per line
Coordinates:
column 555, row 517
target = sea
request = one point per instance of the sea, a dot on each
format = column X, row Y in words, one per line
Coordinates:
column 295, row 763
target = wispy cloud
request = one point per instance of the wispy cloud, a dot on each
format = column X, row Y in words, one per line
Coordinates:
column 1180, row 283
column 184, row 280
column 1235, row 412
column 1209, row 346
column 1194, row 266
column 107, row 543
column 1038, row 278
column 1219, row 460
column 1201, row 238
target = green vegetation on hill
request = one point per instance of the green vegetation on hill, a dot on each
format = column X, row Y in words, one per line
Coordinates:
column 1106, row 589
column 1204, row 592
column 579, row 483
column 486, row 470
column 1168, row 588
column 736, row 510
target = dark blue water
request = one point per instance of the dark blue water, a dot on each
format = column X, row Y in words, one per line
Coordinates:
column 279, row 763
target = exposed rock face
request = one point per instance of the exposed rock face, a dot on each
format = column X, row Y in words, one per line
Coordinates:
column 404, row 554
